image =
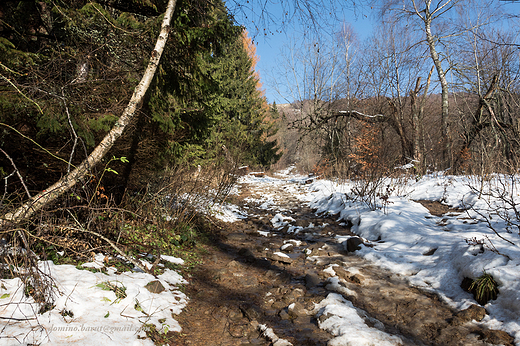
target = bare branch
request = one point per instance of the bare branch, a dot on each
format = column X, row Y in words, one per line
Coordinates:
column 17, row 173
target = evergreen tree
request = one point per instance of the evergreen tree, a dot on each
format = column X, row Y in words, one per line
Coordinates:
column 245, row 119
column 69, row 68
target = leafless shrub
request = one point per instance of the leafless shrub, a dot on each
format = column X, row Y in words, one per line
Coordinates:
column 17, row 260
column 499, row 194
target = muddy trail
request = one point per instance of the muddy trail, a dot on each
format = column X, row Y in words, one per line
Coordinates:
column 260, row 285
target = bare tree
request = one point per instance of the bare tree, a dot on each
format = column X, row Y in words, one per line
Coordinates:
column 488, row 78
column 441, row 22
column 417, row 104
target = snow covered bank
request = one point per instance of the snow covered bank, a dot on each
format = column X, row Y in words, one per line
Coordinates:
column 437, row 253
column 92, row 308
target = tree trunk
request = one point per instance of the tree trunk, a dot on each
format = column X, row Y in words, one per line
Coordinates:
column 478, row 124
column 46, row 197
column 430, row 39
column 417, row 123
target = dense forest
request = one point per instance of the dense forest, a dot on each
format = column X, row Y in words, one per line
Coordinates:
column 70, row 67
column 71, row 71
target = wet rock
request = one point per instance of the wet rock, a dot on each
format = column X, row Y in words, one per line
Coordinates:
column 296, row 310
column 353, row 244
column 312, row 280
column 155, row 286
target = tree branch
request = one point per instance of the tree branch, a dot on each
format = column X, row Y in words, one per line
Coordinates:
column 64, row 184
column 17, row 173
column 377, row 118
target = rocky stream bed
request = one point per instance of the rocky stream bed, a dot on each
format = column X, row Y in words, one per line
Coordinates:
column 261, row 285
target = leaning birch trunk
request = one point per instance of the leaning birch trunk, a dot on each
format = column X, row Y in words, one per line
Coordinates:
column 64, row 184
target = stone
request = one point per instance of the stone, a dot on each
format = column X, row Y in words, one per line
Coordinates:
column 347, row 276
column 315, row 248
column 278, row 305
column 289, row 247
column 430, row 252
column 235, row 315
column 353, row 244
column 296, row 309
column 301, row 223
column 324, row 317
column 155, row 286
column 278, row 258
column 304, row 323
column 312, row 280
column 284, row 315
column 245, row 252
column 293, row 295
column 251, row 312
column 234, row 265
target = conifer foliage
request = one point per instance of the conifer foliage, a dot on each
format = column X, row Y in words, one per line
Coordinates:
column 68, row 68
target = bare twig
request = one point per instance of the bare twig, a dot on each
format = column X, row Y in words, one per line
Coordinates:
column 17, row 173
column 20, row 92
column 82, row 229
column 34, row 142
column 73, row 133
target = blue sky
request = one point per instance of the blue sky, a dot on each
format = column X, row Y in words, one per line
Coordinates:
column 270, row 34
column 269, row 42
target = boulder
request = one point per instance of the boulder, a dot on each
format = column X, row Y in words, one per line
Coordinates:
column 353, row 244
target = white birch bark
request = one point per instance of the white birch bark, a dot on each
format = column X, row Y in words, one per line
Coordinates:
column 68, row 181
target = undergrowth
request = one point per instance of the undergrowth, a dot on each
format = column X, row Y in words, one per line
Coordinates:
column 165, row 218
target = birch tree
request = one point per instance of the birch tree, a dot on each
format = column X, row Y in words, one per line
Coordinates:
column 50, row 194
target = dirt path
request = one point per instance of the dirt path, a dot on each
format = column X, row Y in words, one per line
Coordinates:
column 256, row 277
